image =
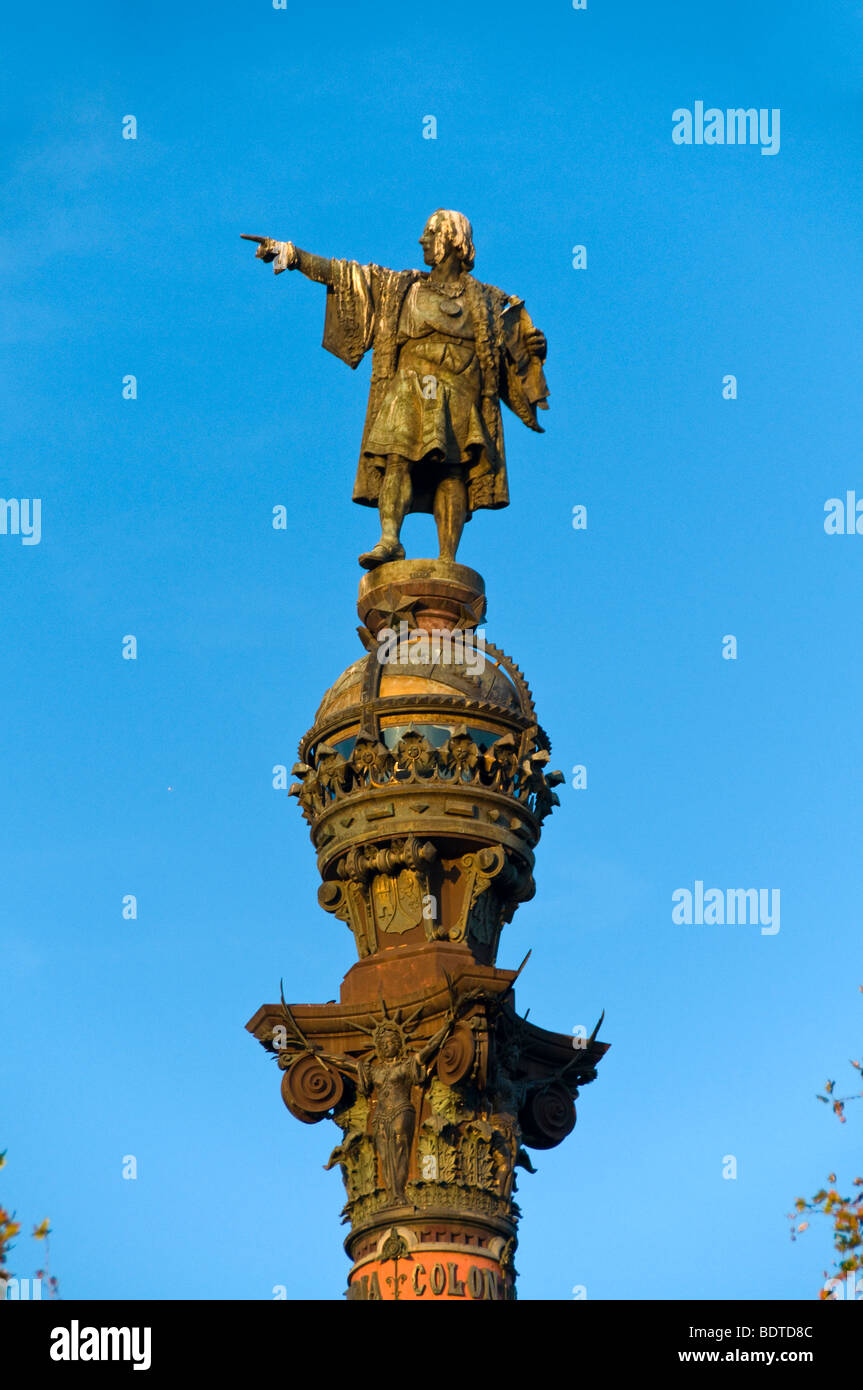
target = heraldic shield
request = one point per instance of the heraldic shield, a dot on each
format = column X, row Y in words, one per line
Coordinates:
column 398, row 901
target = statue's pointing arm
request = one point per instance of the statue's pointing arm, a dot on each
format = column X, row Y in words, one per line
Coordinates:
column 287, row 256
column 352, row 290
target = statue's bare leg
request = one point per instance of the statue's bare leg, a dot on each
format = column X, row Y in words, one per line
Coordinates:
column 403, row 1129
column 393, row 504
column 450, row 510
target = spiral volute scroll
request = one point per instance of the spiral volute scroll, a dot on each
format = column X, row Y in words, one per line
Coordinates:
column 310, row 1089
column 456, row 1057
column 547, row 1116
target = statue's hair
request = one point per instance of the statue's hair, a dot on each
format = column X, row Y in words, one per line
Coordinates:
column 453, row 229
column 390, row 1027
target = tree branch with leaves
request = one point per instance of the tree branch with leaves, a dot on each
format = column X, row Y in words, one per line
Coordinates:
column 844, row 1212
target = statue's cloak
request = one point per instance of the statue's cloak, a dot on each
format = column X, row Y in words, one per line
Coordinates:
column 364, row 304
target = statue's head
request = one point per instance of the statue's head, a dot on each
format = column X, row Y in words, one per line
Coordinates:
column 445, row 231
column 388, row 1041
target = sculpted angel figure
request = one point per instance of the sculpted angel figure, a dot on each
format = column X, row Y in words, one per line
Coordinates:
column 446, row 350
column 388, row 1077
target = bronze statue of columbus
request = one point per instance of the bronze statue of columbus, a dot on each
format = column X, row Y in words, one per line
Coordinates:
column 446, row 350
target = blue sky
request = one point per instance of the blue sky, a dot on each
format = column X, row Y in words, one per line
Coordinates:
column 705, row 518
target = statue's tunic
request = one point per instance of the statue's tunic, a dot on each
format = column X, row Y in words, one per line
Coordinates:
column 394, row 1117
column 437, row 377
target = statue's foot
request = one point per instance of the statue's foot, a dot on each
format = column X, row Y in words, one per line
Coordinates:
column 383, row 552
